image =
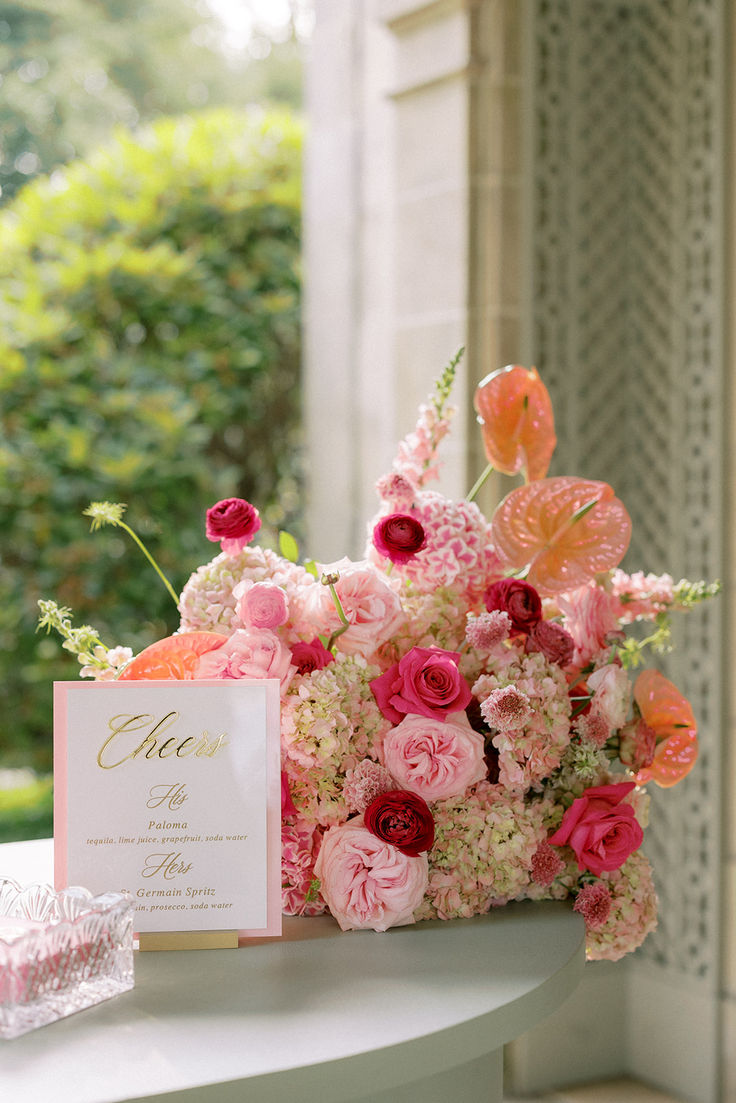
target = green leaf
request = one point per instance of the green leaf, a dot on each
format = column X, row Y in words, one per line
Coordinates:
column 288, row 547
column 311, row 568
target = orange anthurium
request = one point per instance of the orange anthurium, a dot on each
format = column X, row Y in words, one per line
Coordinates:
column 172, row 657
column 664, row 709
column 566, row 530
column 515, row 415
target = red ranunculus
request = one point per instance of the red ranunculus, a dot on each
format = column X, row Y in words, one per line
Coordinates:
column 601, row 830
column 403, row 819
column 233, row 522
column 307, row 657
column 517, row 598
column 426, row 682
column 399, row 537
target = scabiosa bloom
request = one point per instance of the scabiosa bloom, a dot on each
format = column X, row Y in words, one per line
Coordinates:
column 487, row 631
column 593, row 902
column 546, row 864
column 363, row 783
column 506, row 709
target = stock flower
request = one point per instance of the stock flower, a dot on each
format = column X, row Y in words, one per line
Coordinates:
column 426, row 682
column 601, row 830
column 516, row 598
column 368, row 883
column 233, row 522
column 434, row 758
column 402, row 819
column 399, row 537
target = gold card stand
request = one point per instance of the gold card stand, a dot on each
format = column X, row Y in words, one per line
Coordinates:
column 188, row 940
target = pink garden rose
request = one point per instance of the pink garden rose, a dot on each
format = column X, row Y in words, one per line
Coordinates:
column 261, row 604
column 233, row 522
column 368, row 883
column 426, row 681
column 435, row 758
column 590, row 619
column 370, row 605
column 399, row 537
column 601, row 830
column 611, row 691
column 249, row 654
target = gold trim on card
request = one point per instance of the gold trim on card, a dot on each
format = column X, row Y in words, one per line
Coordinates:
column 188, row 940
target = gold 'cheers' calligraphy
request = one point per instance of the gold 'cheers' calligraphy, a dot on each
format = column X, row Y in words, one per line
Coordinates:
column 126, row 729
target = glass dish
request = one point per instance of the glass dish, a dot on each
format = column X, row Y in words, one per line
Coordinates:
column 60, row 952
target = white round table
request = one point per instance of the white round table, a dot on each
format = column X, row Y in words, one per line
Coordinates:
column 416, row 1015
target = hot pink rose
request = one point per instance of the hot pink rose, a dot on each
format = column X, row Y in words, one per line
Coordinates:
column 234, row 522
column 426, row 681
column 249, row 654
column 370, row 605
column 434, row 758
column 601, row 830
column 517, row 598
column 261, row 604
column 367, row 883
column 399, row 537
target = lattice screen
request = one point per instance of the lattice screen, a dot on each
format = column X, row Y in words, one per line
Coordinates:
column 627, row 314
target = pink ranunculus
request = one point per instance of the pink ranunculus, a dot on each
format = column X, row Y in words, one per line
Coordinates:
column 367, row 883
column 426, row 682
column 435, row 758
column 601, row 830
column 249, row 654
column 517, row 598
column 261, row 604
column 555, row 643
column 399, row 537
column 233, row 522
column 370, row 605
column 310, row 656
column 611, row 691
column 590, row 618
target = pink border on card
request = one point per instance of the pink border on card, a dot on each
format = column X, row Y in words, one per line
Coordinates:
column 273, row 775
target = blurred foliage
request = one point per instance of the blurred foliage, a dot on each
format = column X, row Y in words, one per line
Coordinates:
column 27, row 812
column 71, row 70
column 149, row 354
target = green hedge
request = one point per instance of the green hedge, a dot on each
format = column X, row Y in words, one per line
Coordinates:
column 149, row 354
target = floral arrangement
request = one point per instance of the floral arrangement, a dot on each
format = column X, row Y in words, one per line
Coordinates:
column 461, row 724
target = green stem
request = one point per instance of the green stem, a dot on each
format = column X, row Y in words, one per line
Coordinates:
column 479, row 483
column 151, row 560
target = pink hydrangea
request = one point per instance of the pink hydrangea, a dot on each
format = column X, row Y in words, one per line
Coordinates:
column 208, row 602
column 431, row 619
column 530, row 752
column 300, row 844
column 330, row 722
column 487, row 631
column 633, row 913
column 458, row 552
column 482, row 854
